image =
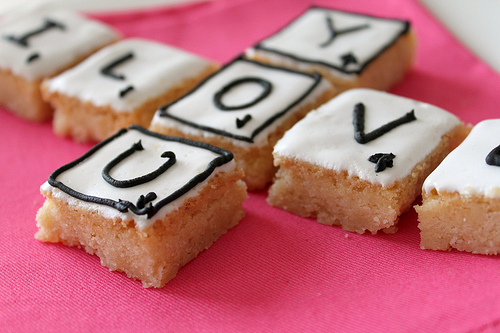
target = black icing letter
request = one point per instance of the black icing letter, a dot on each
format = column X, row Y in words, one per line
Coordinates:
column 382, row 161
column 266, row 85
column 47, row 25
column 335, row 33
column 139, row 180
column 108, row 69
column 242, row 122
column 493, row 158
column 347, row 59
column 125, row 91
column 359, row 124
column 32, row 57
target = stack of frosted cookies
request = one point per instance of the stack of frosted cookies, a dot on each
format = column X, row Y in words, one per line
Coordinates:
column 40, row 44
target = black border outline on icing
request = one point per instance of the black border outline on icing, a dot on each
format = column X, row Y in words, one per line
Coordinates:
column 123, row 206
column 406, row 29
column 217, row 98
column 163, row 110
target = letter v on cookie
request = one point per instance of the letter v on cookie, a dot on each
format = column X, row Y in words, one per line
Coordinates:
column 359, row 160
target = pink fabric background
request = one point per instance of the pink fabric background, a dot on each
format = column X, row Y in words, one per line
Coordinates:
column 274, row 271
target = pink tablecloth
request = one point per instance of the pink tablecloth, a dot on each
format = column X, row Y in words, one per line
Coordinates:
column 274, row 271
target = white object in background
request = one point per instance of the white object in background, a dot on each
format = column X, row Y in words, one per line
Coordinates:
column 92, row 5
column 474, row 22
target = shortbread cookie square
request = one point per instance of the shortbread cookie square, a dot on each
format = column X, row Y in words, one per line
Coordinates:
column 245, row 108
column 145, row 203
column 461, row 198
column 39, row 44
column 121, row 85
column 359, row 161
column 351, row 50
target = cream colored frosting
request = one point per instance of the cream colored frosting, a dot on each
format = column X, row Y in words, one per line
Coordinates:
column 325, row 137
column 56, row 48
column 199, row 107
column 153, row 69
column 87, row 179
column 301, row 40
column 464, row 170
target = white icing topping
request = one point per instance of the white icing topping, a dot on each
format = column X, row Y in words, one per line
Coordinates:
column 87, row 179
column 57, row 47
column 153, row 69
column 308, row 38
column 325, row 137
column 199, row 107
column 464, row 170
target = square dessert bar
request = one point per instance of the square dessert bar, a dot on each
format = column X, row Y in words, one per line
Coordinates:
column 42, row 43
column 121, row 85
column 245, row 108
column 359, row 161
column 351, row 50
column 145, row 203
column 461, row 198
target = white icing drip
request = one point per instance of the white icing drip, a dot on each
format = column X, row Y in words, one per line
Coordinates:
column 464, row 170
column 199, row 107
column 57, row 48
column 86, row 177
column 325, row 137
column 154, row 69
column 304, row 36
